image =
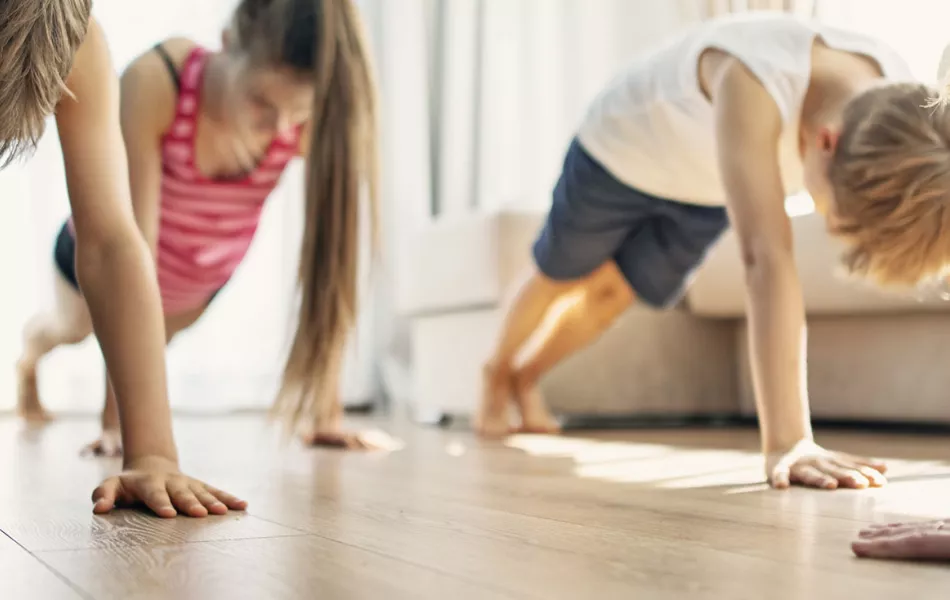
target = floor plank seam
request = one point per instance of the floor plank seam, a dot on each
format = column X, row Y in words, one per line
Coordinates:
column 661, row 538
column 174, row 544
column 479, row 583
column 68, row 582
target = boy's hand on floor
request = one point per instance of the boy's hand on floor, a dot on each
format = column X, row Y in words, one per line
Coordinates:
column 157, row 483
column 108, row 445
column 928, row 540
column 810, row 465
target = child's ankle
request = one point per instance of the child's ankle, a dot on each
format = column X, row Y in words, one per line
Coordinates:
column 523, row 381
column 109, row 421
column 26, row 368
column 496, row 373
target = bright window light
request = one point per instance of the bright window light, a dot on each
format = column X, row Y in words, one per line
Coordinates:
column 799, row 205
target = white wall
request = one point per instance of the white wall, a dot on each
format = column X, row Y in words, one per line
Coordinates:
column 916, row 29
column 541, row 63
column 400, row 29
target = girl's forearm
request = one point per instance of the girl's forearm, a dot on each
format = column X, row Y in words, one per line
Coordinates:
column 119, row 283
column 777, row 346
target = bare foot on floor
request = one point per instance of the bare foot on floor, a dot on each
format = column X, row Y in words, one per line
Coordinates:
column 905, row 541
column 29, row 408
column 491, row 421
column 535, row 416
column 370, row 441
column 109, row 445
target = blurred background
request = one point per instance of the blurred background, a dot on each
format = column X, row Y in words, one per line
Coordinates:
column 479, row 99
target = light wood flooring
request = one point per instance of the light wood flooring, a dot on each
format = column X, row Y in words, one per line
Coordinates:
column 640, row 514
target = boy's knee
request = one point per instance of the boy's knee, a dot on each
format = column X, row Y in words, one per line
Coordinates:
column 608, row 290
column 606, row 277
column 554, row 286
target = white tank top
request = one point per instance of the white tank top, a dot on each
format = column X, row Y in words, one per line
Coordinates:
column 654, row 129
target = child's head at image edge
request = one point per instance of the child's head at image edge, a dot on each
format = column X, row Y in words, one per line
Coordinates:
column 38, row 41
column 888, row 184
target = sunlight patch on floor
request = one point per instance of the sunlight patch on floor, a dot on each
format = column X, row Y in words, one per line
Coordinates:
column 455, row 449
column 585, row 451
column 681, row 469
column 735, row 471
column 628, row 462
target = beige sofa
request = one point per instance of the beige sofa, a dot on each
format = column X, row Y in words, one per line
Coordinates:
column 872, row 356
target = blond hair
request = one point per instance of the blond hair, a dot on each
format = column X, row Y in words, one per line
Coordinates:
column 322, row 40
column 38, row 41
column 891, row 179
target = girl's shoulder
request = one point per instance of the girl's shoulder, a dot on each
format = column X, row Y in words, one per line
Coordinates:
column 167, row 54
column 150, row 86
column 177, row 48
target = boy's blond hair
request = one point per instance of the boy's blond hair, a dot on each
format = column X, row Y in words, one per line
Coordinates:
column 38, row 40
column 891, row 180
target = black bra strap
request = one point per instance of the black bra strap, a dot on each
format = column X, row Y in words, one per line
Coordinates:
column 170, row 64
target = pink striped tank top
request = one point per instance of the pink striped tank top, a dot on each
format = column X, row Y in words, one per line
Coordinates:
column 207, row 225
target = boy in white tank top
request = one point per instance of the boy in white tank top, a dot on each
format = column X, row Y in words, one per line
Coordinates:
column 719, row 126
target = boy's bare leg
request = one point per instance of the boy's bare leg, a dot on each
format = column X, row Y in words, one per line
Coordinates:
column 597, row 303
column 535, row 297
column 67, row 323
column 593, row 303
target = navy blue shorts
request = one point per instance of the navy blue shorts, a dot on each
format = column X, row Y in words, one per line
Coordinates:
column 656, row 243
column 64, row 255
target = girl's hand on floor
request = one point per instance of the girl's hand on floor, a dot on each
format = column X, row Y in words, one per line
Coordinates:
column 108, row 445
column 370, row 441
column 810, row 465
column 924, row 541
column 157, row 483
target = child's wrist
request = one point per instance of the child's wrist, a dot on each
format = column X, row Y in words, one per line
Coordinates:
column 160, row 462
column 804, row 445
column 783, row 442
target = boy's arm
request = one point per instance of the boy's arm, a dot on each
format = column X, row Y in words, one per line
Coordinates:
column 748, row 130
column 118, row 280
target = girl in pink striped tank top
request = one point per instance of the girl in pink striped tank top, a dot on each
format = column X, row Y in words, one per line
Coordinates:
column 208, row 135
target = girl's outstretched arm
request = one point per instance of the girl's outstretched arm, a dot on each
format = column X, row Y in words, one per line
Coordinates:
column 117, row 276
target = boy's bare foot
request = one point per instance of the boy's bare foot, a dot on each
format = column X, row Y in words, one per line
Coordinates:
column 29, row 408
column 374, row 441
column 491, row 420
column 905, row 541
column 109, row 444
column 535, row 416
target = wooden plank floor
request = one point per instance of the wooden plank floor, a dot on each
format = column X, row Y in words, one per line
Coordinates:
column 646, row 514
